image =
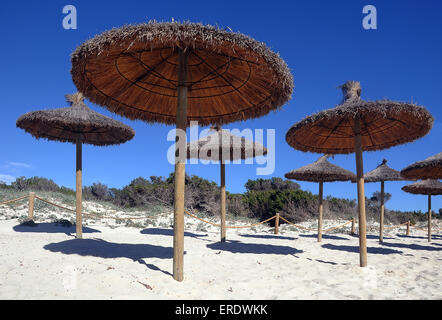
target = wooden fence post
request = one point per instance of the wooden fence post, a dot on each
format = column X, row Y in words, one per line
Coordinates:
column 31, row 205
column 277, row 223
column 408, row 228
column 353, row 225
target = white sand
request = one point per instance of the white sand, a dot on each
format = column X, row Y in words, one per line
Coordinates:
column 118, row 262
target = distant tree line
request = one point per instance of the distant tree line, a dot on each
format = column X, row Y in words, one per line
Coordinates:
column 262, row 199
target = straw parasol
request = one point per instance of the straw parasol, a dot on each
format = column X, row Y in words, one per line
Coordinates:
column 321, row 171
column 174, row 73
column 429, row 187
column 222, row 146
column 430, row 168
column 355, row 126
column 381, row 174
column 77, row 124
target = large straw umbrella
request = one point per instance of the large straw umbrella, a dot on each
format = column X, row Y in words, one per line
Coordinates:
column 430, row 168
column 321, row 171
column 381, row 174
column 174, row 73
column 429, row 187
column 223, row 146
column 355, row 126
column 77, row 124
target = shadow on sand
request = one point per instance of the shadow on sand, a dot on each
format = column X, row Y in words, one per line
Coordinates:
column 323, row 261
column 267, row 236
column 433, row 237
column 355, row 249
column 50, row 227
column 108, row 250
column 411, row 246
column 370, row 236
column 235, row 246
column 324, row 236
column 169, row 232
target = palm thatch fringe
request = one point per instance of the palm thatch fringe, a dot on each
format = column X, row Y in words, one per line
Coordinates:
column 321, row 171
column 428, row 186
column 75, row 122
column 132, row 71
column 430, row 168
column 384, row 124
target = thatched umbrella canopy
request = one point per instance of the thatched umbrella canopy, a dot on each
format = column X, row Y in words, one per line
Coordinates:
column 430, row 168
column 174, row 73
column 355, row 126
column 429, row 187
column 381, row 174
column 133, row 71
column 223, row 146
column 77, row 124
column 321, row 171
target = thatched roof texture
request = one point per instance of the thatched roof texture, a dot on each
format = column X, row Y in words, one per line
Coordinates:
column 428, row 186
column 75, row 122
column 383, row 173
column 430, row 168
column 226, row 145
column 321, row 171
column 132, row 71
column 384, row 124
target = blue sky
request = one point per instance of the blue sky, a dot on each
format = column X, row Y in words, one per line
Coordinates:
column 323, row 43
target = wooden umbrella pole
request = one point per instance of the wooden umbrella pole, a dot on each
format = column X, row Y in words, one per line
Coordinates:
column 78, row 190
column 181, row 124
column 429, row 217
column 321, row 208
column 381, row 220
column 223, row 201
column 361, row 195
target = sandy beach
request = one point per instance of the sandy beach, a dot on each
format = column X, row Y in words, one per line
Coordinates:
column 114, row 261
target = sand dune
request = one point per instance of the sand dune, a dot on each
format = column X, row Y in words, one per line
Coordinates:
column 120, row 262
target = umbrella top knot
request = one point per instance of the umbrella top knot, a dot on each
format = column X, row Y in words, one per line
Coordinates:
column 75, row 99
column 351, row 90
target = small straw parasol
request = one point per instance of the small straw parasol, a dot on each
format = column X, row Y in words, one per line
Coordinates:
column 381, row 174
column 429, row 187
column 355, row 126
column 77, row 124
column 174, row 73
column 321, row 171
column 430, row 168
column 222, row 146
